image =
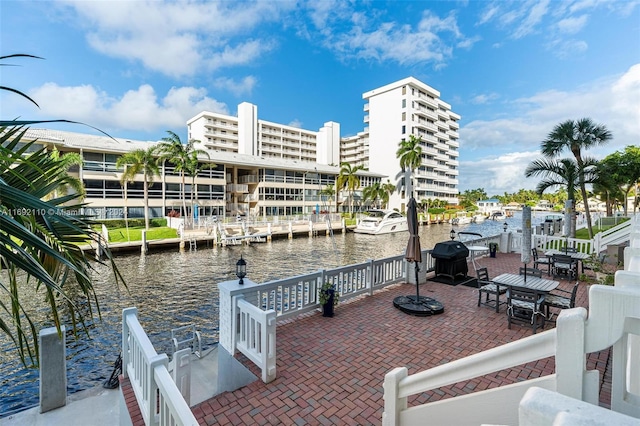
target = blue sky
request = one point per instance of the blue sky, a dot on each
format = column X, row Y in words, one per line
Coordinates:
column 512, row 70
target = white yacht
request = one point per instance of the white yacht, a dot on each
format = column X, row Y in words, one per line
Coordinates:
column 460, row 219
column 382, row 222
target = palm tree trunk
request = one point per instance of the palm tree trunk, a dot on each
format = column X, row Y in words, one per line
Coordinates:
column 146, row 202
column 184, row 202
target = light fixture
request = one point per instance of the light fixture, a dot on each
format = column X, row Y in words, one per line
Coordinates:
column 452, row 234
column 241, row 269
column 505, row 226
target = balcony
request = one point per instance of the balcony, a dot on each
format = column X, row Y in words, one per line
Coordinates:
column 237, row 188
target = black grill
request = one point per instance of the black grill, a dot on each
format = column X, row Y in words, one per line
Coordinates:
column 451, row 259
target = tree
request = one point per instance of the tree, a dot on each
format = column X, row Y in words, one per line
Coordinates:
column 388, row 189
column 194, row 166
column 136, row 162
column 329, row 192
column 576, row 136
column 561, row 173
column 67, row 161
column 410, row 154
column 348, row 179
column 373, row 193
column 180, row 155
column 40, row 243
column 623, row 171
column 39, row 240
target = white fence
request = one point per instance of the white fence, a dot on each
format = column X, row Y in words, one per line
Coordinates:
column 256, row 336
column 158, row 397
column 613, row 322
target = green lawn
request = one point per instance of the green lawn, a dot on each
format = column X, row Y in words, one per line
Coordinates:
column 119, row 235
column 583, row 233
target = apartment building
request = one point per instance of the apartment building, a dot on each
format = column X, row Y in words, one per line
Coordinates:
column 246, row 134
column 410, row 107
column 238, row 183
column 391, row 114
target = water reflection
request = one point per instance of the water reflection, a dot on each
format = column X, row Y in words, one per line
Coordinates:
column 172, row 288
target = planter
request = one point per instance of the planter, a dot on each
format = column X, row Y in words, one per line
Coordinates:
column 327, row 308
column 493, row 249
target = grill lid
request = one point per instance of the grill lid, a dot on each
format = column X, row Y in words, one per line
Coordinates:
column 449, row 250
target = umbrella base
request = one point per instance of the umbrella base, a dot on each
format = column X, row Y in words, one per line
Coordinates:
column 422, row 307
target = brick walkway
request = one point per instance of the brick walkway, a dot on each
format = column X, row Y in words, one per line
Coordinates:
column 330, row 370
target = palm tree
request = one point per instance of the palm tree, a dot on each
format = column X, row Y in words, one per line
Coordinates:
column 373, row 192
column 576, row 136
column 194, row 167
column 180, row 155
column 410, row 154
column 40, row 243
column 136, row 162
column 349, row 180
column 329, row 191
column 388, row 189
column 562, row 173
column 67, row 160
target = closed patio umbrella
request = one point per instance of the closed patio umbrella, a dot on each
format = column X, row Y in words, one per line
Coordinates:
column 414, row 252
column 416, row 305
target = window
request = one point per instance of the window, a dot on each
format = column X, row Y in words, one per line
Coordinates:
column 404, row 129
column 404, row 116
column 404, row 103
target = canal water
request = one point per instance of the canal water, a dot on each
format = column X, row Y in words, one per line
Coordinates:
column 173, row 288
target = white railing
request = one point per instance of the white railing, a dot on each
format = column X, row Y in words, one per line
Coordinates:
column 615, row 235
column 613, row 322
column 256, row 336
column 158, row 397
column 296, row 295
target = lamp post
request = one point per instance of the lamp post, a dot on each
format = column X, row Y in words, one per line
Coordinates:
column 505, row 226
column 241, row 269
column 452, row 234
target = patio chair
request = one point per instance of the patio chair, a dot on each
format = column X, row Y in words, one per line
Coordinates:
column 563, row 265
column 525, row 306
column 540, row 260
column 561, row 299
column 486, row 286
column 533, row 272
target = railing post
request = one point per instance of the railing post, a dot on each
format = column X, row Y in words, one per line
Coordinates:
column 269, row 348
column 152, row 387
column 570, row 346
column 393, row 405
column 125, row 338
column 370, row 276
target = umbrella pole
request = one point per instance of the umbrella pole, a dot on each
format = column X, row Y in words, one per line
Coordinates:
column 417, row 284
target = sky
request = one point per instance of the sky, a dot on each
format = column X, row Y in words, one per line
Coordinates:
column 511, row 69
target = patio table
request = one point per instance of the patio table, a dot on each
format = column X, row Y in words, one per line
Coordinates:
column 476, row 249
column 533, row 283
column 578, row 256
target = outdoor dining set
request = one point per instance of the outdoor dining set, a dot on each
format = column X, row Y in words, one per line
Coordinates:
column 530, row 298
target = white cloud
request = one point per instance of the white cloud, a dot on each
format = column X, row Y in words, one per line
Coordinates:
column 356, row 35
column 498, row 174
column 135, row 110
column 613, row 102
column 238, row 88
column 484, row 98
column 572, row 25
column 178, row 39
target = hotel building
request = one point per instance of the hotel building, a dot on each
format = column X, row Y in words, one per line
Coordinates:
column 269, row 169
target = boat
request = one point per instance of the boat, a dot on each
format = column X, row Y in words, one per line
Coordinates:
column 382, row 222
column 460, row 219
column 478, row 218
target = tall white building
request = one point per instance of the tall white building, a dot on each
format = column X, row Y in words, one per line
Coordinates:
column 246, row 134
column 397, row 110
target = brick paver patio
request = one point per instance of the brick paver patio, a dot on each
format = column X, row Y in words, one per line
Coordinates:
column 330, row 370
